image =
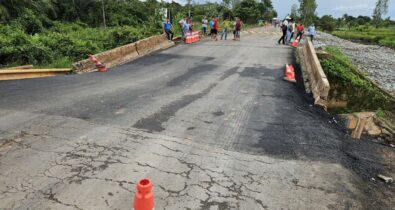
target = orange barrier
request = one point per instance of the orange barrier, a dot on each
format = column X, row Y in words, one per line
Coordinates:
column 192, row 37
column 289, row 73
column 144, row 198
column 100, row 67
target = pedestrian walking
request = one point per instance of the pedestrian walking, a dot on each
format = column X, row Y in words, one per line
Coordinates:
column 238, row 26
column 300, row 30
column 167, row 29
column 311, row 32
column 204, row 26
column 226, row 27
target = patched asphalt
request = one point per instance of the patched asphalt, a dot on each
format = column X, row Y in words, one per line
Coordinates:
column 213, row 124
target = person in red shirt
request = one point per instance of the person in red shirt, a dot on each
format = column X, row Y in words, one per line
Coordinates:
column 215, row 28
column 238, row 25
column 300, row 30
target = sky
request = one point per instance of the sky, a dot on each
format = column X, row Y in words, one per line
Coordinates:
column 336, row 8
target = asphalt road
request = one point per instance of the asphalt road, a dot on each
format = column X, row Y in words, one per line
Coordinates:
column 213, row 125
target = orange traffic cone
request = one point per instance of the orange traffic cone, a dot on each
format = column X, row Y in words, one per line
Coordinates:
column 296, row 42
column 144, row 198
column 289, row 73
column 100, row 66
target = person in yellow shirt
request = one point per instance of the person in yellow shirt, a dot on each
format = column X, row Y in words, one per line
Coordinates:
column 226, row 27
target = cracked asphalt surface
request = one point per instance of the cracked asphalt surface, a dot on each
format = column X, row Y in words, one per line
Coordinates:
column 213, row 125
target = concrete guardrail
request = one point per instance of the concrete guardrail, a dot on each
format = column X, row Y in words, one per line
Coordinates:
column 313, row 73
column 14, row 74
column 126, row 53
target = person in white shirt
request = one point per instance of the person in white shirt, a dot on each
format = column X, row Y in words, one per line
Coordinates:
column 311, row 32
column 204, row 26
column 182, row 22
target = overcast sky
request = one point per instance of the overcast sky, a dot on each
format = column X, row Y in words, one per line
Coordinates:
column 336, row 8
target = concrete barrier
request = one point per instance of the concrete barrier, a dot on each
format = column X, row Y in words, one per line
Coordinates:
column 14, row 74
column 314, row 74
column 124, row 54
column 152, row 44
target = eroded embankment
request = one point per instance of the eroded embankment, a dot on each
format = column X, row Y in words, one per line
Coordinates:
column 376, row 61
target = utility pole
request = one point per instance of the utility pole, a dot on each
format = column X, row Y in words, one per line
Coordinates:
column 189, row 6
column 104, row 14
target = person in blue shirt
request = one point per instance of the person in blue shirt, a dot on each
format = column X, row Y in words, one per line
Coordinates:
column 185, row 29
column 311, row 32
column 211, row 23
column 167, row 29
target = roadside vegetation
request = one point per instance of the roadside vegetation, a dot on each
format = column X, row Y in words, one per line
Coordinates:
column 368, row 34
column 56, row 33
column 345, row 79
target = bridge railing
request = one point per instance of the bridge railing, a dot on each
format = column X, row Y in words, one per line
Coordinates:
column 315, row 76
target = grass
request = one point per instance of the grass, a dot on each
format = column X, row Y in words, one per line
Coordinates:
column 344, row 77
column 369, row 35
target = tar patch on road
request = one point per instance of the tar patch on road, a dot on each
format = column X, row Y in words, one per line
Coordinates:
column 228, row 73
column 154, row 121
column 190, row 73
column 218, row 113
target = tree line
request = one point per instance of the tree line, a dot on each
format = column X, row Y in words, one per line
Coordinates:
column 306, row 12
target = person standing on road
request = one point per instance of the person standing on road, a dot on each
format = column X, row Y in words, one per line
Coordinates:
column 289, row 33
column 204, row 26
column 181, row 23
column 311, row 32
column 226, row 25
column 185, row 30
column 293, row 29
column 167, row 29
column 238, row 26
column 215, row 29
column 284, row 30
column 211, row 23
column 190, row 22
column 300, row 30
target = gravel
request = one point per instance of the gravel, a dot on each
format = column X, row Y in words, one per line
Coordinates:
column 377, row 61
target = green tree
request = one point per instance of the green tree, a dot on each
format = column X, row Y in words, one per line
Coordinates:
column 248, row 11
column 307, row 11
column 380, row 10
column 327, row 23
column 294, row 11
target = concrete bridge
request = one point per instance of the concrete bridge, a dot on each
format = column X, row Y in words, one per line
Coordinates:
column 212, row 124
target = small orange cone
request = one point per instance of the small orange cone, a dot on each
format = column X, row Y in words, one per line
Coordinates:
column 144, row 198
column 100, row 67
column 289, row 73
column 296, row 42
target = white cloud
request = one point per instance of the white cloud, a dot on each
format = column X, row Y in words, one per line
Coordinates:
column 351, row 7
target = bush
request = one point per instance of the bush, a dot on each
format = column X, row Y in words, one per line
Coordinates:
column 29, row 22
column 63, row 43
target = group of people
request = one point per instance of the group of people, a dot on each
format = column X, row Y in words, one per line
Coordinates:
column 186, row 26
column 226, row 27
column 289, row 29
